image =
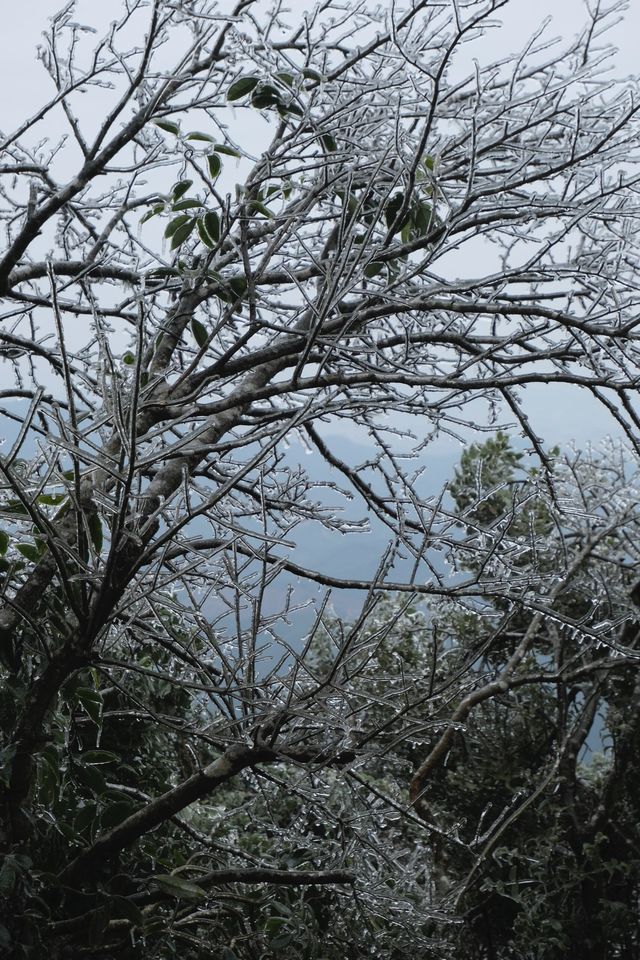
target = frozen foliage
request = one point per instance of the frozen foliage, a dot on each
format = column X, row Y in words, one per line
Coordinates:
column 234, row 236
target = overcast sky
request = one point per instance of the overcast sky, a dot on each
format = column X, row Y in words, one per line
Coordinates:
column 26, row 86
column 27, row 83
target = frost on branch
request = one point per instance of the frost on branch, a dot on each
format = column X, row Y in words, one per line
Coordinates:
column 260, row 272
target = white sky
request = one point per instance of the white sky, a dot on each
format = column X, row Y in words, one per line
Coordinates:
column 26, row 86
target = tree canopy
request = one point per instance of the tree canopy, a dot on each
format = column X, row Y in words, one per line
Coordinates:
column 236, row 239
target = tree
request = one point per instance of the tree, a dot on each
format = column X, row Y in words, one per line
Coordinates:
column 411, row 239
column 529, row 792
column 533, row 782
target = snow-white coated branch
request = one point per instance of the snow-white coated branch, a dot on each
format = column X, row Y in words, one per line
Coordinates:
column 235, row 241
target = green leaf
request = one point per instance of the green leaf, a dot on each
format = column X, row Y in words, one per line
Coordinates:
column 124, row 909
column 211, row 223
column 278, row 943
column 129, row 358
column 181, row 188
column 238, row 285
column 51, row 757
column 373, row 269
column 91, row 701
column 282, row 908
column 159, row 207
column 90, row 777
column 97, row 923
column 284, row 108
column 241, row 87
column 204, row 236
column 68, row 833
column 99, row 756
column 228, row 151
column 86, row 817
column 197, row 135
column 175, row 224
column 169, row 126
column 286, row 78
column 422, row 218
column 199, row 332
column 6, row 756
column 28, row 550
column 329, row 142
column 95, row 531
column 260, row 208
column 180, row 888
column 161, row 272
column 14, row 508
column 186, row 204
column 310, row 74
column 181, row 234
column 115, row 813
column 214, row 164
column 391, row 210
column 8, row 877
column 52, row 499
column 266, row 96
column 233, row 289
column 4, row 543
